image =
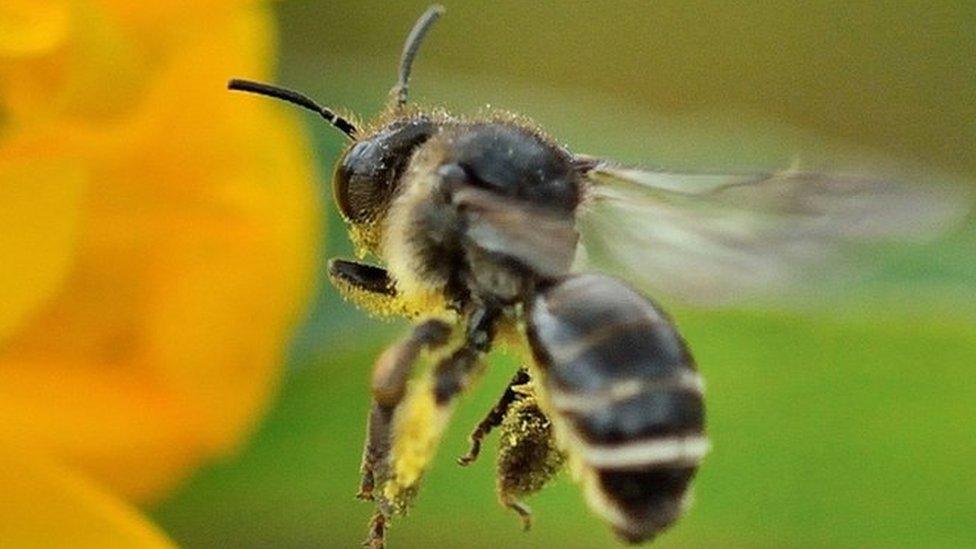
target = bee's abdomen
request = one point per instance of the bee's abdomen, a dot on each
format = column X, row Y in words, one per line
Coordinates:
column 620, row 377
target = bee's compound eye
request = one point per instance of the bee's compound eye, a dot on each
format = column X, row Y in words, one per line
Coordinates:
column 340, row 186
column 355, row 184
column 367, row 176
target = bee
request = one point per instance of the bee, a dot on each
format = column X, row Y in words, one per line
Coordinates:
column 487, row 231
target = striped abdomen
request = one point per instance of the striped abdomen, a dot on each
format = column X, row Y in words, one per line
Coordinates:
column 623, row 391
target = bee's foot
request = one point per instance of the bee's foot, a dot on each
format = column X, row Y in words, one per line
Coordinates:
column 524, row 512
column 377, row 531
column 472, row 455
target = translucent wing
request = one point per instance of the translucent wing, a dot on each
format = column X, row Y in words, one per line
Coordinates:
column 717, row 238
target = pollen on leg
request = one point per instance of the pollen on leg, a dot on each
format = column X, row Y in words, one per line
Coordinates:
column 418, row 426
column 381, row 305
column 527, row 455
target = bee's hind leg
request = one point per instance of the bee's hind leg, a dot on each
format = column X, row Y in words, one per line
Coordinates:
column 495, row 416
column 528, row 456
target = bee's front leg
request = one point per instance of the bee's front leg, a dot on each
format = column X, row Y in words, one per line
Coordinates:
column 368, row 287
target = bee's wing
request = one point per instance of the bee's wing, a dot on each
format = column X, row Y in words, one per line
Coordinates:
column 542, row 239
column 713, row 239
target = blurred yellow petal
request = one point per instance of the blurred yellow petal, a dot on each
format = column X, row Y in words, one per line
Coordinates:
column 118, row 426
column 32, row 27
column 164, row 15
column 40, row 205
column 95, row 76
column 44, row 505
column 108, row 70
column 219, row 281
column 193, row 261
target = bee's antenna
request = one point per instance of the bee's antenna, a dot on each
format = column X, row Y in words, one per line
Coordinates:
column 296, row 98
column 410, row 48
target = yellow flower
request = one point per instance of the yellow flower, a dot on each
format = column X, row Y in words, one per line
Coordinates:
column 159, row 240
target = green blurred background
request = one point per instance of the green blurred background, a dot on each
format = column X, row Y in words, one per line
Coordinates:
column 848, row 427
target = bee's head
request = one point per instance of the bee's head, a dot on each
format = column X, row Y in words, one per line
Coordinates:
column 368, row 172
column 367, row 175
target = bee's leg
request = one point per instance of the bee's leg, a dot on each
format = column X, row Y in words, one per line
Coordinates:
column 369, row 288
column 495, row 416
column 527, row 455
column 404, row 421
column 389, row 384
column 452, row 373
column 377, row 531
